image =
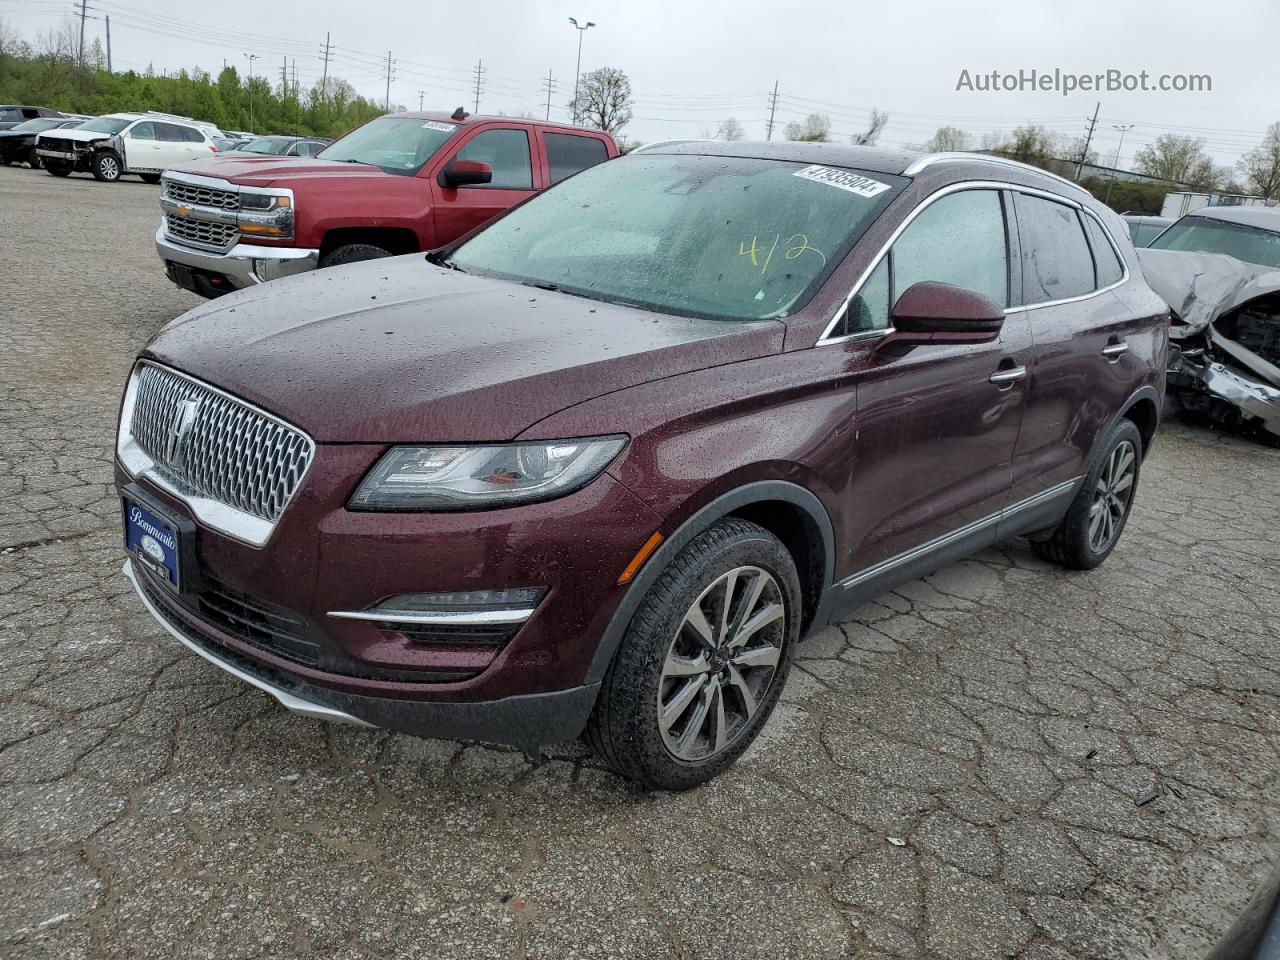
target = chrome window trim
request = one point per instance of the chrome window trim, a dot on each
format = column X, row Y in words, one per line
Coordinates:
column 914, row 553
column 439, row 618
column 842, row 311
column 235, row 523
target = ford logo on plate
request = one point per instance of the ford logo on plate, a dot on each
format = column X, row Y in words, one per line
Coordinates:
column 151, row 547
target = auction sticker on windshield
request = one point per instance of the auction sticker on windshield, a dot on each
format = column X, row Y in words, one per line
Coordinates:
column 843, row 179
column 442, row 127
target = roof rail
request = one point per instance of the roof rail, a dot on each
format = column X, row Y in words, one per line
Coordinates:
column 177, row 116
column 931, row 159
column 667, row 143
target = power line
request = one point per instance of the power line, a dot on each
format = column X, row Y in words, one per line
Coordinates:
column 480, row 71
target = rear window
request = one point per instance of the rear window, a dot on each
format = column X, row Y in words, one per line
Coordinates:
column 1056, row 262
column 10, row 114
column 567, row 154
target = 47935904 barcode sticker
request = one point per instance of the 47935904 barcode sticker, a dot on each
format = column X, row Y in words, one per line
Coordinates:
column 843, row 179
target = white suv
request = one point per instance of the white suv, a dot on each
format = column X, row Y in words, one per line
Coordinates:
column 109, row 146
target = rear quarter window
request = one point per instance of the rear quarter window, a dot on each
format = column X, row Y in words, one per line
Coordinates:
column 1110, row 269
column 1056, row 261
column 567, row 154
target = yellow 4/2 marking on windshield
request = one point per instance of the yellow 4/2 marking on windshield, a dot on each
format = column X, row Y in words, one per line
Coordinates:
column 798, row 244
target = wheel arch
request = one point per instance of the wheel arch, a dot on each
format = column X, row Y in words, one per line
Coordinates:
column 789, row 511
column 397, row 240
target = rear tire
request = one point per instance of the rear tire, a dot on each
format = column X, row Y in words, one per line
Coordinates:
column 57, row 168
column 690, row 688
column 353, row 253
column 106, row 166
column 1098, row 514
column 33, row 160
column 150, row 177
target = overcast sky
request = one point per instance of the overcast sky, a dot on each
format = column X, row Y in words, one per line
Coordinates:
column 691, row 66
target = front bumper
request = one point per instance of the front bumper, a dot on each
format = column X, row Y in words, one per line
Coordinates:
column 244, row 265
column 528, row 721
column 533, row 688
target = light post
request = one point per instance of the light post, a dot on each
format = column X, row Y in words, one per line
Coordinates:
column 251, row 57
column 576, row 73
column 1115, row 164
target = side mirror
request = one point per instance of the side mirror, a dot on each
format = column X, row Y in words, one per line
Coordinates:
column 930, row 312
column 466, row 173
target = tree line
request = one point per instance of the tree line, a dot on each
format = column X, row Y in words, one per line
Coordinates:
column 48, row 74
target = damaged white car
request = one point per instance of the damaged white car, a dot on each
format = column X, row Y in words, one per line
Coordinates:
column 1224, row 341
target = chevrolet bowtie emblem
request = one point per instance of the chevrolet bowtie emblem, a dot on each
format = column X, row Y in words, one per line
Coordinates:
column 184, row 418
column 183, row 210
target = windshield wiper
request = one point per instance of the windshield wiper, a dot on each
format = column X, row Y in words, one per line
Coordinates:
column 437, row 258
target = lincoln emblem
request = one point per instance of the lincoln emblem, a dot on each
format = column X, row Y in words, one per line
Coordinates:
column 184, row 417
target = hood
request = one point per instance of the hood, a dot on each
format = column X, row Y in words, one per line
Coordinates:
column 259, row 171
column 19, row 134
column 71, row 133
column 1201, row 287
column 401, row 351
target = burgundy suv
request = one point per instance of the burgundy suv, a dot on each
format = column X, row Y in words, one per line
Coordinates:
column 602, row 464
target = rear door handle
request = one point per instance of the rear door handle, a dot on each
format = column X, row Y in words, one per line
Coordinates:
column 1114, row 351
column 1006, row 378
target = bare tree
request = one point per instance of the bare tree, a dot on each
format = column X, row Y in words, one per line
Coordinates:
column 949, row 140
column 1030, row 143
column 869, row 136
column 730, row 130
column 1075, row 150
column 815, row 128
column 604, row 100
column 1261, row 165
column 60, row 42
column 1179, row 160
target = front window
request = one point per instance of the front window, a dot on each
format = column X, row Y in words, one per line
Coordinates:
column 723, row 237
column 108, row 125
column 272, row 148
column 400, row 145
column 1208, row 235
column 34, row 126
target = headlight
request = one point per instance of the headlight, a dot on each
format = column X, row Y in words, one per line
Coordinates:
column 482, row 477
column 263, row 201
column 266, row 214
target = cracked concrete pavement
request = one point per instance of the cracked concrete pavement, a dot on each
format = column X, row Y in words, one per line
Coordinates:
column 999, row 717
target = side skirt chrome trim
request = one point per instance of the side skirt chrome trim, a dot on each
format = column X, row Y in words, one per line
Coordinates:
column 915, row 553
column 307, row 708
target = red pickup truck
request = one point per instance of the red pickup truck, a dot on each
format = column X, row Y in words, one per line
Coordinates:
column 401, row 183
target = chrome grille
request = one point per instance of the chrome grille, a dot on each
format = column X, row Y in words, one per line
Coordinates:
column 209, row 444
column 202, row 196
column 200, row 233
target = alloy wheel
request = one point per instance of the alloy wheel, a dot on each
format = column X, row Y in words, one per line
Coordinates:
column 110, row 169
column 1112, row 494
column 721, row 663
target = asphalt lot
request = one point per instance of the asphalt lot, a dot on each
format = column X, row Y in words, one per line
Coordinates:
column 1000, row 718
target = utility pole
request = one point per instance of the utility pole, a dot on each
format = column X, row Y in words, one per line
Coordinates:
column 773, row 106
column 480, row 72
column 549, row 84
column 325, row 57
column 82, row 8
column 421, row 94
column 577, row 73
column 251, row 57
column 386, row 105
column 108, row 21
column 1084, row 151
column 1115, row 164
column 284, row 78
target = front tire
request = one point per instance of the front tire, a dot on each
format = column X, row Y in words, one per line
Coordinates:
column 703, row 662
column 352, row 253
column 33, row 160
column 1098, row 514
column 150, row 177
column 106, row 167
column 57, row 168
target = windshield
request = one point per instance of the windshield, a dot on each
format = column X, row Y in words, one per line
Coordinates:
column 400, row 145
column 273, row 147
column 1207, row 235
column 111, row 125
column 720, row 237
column 40, row 123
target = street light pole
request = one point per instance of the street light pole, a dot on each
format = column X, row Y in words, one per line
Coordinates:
column 1115, row 164
column 577, row 72
column 251, row 57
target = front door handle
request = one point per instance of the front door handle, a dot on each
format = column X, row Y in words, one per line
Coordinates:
column 1007, row 378
column 1114, row 351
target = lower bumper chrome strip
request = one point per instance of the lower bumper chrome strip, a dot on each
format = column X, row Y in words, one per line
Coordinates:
column 290, row 702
